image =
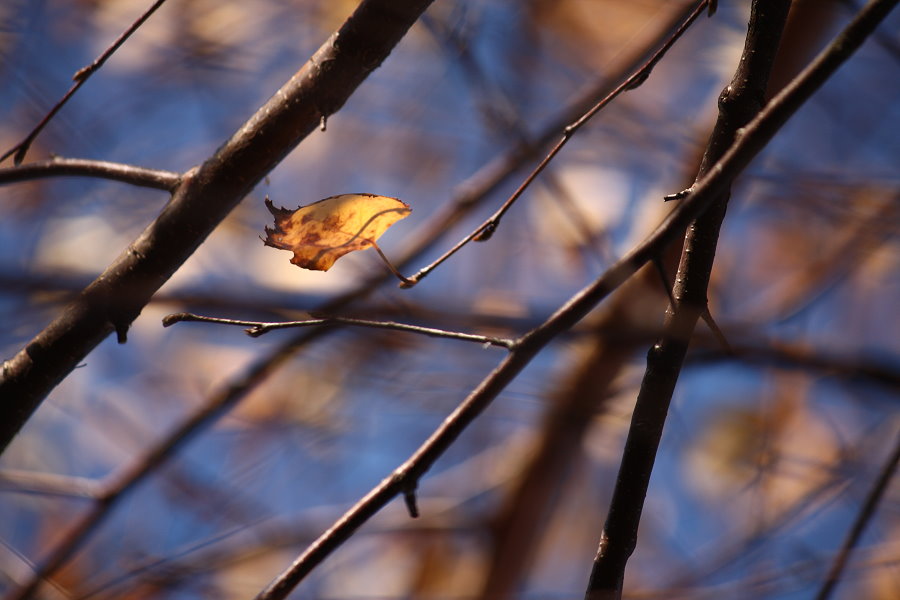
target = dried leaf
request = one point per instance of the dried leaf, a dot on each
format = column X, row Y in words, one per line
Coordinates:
column 322, row 232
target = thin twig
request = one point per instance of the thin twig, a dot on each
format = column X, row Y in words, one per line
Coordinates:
column 78, row 167
column 80, row 77
column 716, row 330
column 484, row 231
column 866, row 512
column 754, row 137
column 258, row 328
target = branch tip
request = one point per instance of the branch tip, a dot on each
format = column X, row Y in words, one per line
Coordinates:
column 409, row 497
column 678, row 195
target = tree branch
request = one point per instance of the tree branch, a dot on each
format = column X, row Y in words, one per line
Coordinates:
column 258, row 328
column 61, row 167
column 484, row 231
column 739, row 102
column 867, row 511
column 206, row 195
column 706, row 190
column 469, row 196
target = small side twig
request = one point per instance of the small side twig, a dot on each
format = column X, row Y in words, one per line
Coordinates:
column 100, row 169
column 80, row 77
column 258, row 328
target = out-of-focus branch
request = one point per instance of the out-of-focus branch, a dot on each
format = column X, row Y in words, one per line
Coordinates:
column 710, row 186
column 866, row 512
column 868, row 368
column 206, row 195
column 99, row 169
column 738, row 103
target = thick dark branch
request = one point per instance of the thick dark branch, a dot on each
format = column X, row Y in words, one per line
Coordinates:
column 79, row 167
column 206, row 195
column 739, row 102
column 704, row 192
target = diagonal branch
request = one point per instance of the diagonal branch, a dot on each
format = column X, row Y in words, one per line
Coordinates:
column 80, row 77
column 873, row 498
column 484, row 231
column 754, row 136
column 737, row 104
column 206, row 195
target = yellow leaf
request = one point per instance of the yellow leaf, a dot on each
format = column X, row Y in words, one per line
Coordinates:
column 324, row 231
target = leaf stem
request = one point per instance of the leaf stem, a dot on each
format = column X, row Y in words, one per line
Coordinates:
column 404, row 282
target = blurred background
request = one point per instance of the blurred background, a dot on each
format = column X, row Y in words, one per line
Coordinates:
column 768, row 453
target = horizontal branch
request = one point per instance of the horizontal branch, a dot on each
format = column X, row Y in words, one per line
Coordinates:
column 99, row 169
column 258, row 328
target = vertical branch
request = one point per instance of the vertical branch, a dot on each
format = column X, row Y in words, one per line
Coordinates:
column 739, row 102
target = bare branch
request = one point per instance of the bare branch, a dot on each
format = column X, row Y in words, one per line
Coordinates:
column 79, row 167
column 739, row 102
column 258, row 328
column 470, row 195
column 484, row 231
